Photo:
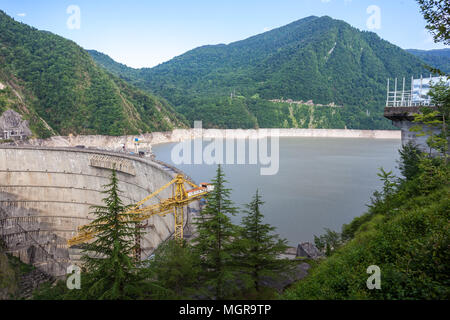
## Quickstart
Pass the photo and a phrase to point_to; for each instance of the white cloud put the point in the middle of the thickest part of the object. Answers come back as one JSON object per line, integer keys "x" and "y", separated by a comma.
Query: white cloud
{"x": 266, "y": 29}
{"x": 22, "y": 14}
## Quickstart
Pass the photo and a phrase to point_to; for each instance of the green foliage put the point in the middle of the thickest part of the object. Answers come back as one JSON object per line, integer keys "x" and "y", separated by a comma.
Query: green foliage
{"x": 257, "y": 249}
{"x": 22, "y": 268}
{"x": 349, "y": 230}
{"x": 328, "y": 242}
{"x": 11, "y": 272}
{"x": 318, "y": 59}
{"x": 439, "y": 58}
{"x": 224, "y": 262}
{"x": 111, "y": 272}
{"x": 440, "y": 95}
{"x": 409, "y": 160}
{"x": 176, "y": 268}
{"x": 49, "y": 291}
{"x": 436, "y": 14}
{"x": 427, "y": 121}
{"x": 433, "y": 123}
{"x": 214, "y": 243}
{"x": 220, "y": 112}
{"x": 9, "y": 279}
{"x": 118, "y": 69}
{"x": 388, "y": 182}
{"x": 433, "y": 174}
{"x": 63, "y": 85}
{"x": 406, "y": 234}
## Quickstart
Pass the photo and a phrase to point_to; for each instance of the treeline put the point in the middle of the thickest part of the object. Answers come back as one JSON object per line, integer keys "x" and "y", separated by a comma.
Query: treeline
{"x": 318, "y": 59}
{"x": 439, "y": 58}
{"x": 405, "y": 233}
{"x": 255, "y": 112}
{"x": 224, "y": 261}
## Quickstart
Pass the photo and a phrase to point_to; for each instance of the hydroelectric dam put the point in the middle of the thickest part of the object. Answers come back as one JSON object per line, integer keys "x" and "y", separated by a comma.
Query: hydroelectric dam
{"x": 47, "y": 193}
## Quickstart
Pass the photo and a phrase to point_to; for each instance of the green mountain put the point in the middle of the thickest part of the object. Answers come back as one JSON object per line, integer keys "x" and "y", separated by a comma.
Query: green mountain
{"x": 116, "y": 68}
{"x": 57, "y": 86}
{"x": 435, "y": 58}
{"x": 316, "y": 58}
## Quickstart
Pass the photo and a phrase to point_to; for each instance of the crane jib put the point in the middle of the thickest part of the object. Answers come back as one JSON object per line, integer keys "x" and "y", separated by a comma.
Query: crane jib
{"x": 181, "y": 198}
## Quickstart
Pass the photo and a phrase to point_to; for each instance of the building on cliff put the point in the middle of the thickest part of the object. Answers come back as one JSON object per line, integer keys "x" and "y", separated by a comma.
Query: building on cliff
{"x": 402, "y": 106}
{"x": 12, "y": 126}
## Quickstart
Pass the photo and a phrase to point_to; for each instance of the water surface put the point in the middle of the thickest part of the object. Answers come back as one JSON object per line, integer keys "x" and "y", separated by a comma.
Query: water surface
{"x": 321, "y": 183}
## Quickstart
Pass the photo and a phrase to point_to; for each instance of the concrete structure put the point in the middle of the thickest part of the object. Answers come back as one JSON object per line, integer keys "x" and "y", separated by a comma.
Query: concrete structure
{"x": 402, "y": 106}
{"x": 308, "y": 250}
{"x": 402, "y": 117}
{"x": 12, "y": 126}
{"x": 146, "y": 141}
{"x": 46, "y": 194}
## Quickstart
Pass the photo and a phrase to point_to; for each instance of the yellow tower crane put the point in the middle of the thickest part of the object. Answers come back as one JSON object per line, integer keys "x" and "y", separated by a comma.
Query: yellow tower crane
{"x": 180, "y": 198}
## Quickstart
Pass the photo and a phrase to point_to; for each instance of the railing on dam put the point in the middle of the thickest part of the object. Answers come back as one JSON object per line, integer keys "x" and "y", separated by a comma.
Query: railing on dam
{"x": 417, "y": 94}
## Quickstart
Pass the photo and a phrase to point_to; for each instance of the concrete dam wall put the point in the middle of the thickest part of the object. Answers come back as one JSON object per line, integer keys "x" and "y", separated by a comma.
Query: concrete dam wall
{"x": 46, "y": 194}
{"x": 146, "y": 141}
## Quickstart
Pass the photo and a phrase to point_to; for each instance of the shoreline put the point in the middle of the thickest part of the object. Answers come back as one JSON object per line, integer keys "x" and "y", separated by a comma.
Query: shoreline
{"x": 147, "y": 140}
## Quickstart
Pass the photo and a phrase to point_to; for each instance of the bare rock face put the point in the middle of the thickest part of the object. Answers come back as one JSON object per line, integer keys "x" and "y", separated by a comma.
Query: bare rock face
{"x": 12, "y": 125}
{"x": 308, "y": 250}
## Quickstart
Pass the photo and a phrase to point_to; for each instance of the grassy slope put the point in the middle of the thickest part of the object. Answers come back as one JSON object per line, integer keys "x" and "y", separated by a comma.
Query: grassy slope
{"x": 407, "y": 237}
{"x": 8, "y": 279}
{"x": 11, "y": 270}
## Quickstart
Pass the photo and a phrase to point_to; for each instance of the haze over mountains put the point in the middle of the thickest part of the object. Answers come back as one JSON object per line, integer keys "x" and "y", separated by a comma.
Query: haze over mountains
{"x": 57, "y": 86}
{"x": 439, "y": 58}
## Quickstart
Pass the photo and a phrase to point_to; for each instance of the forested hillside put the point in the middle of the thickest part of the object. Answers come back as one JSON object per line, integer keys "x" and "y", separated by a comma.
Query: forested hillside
{"x": 435, "y": 58}
{"x": 319, "y": 59}
{"x": 53, "y": 80}
{"x": 405, "y": 233}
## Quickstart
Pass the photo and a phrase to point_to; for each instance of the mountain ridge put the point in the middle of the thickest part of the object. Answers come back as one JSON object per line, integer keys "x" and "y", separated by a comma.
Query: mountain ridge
{"x": 436, "y": 58}
{"x": 315, "y": 58}
{"x": 57, "y": 86}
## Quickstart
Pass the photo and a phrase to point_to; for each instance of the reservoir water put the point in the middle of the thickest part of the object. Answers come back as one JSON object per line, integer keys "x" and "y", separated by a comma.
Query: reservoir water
{"x": 321, "y": 182}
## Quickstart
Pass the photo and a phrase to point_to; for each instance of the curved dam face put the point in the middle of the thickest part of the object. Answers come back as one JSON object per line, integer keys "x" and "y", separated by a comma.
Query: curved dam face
{"x": 46, "y": 194}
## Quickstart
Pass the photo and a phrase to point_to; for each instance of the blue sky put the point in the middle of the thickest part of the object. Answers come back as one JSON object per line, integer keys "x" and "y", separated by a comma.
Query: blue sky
{"x": 144, "y": 33}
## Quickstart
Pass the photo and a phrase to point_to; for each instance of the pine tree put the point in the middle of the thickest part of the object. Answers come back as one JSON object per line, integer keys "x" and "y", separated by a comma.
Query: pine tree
{"x": 112, "y": 273}
{"x": 214, "y": 243}
{"x": 175, "y": 268}
{"x": 258, "y": 248}
{"x": 329, "y": 242}
{"x": 389, "y": 185}
{"x": 409, "y": 160}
